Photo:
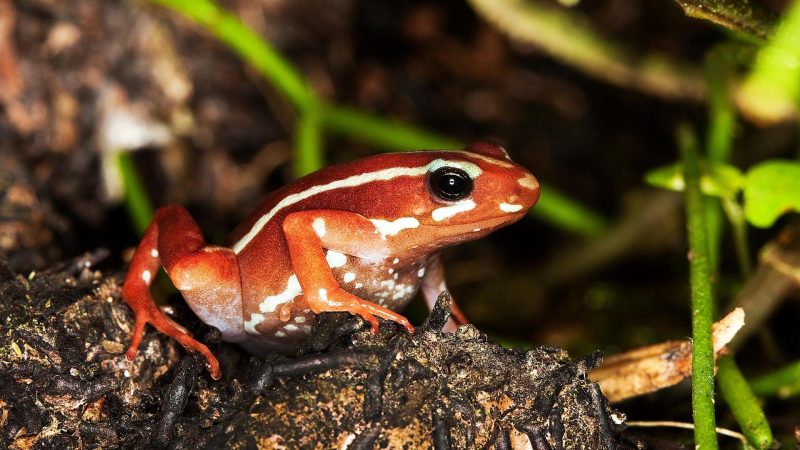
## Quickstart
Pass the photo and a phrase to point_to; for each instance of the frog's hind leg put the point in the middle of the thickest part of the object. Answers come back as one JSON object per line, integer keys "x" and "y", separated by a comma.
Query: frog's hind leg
{"x": 207, "y": 276}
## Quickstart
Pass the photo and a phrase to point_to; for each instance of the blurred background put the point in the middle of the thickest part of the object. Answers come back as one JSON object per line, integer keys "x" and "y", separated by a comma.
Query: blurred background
{"x": 112, "y": 108}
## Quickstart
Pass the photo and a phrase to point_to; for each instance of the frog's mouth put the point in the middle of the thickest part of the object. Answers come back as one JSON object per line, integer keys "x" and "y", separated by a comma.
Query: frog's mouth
{"x": 483, "y": 227}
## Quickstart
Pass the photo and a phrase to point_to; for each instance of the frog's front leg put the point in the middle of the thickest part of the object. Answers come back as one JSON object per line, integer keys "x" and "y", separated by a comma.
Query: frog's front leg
{"x": 433, "y": 284}
{"x": 308, "y": 233}
{"x": 207, "y": 276}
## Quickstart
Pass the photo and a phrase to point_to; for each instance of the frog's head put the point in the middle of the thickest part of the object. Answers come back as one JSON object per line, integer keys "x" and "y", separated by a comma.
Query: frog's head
{"x": 475, "y": 190}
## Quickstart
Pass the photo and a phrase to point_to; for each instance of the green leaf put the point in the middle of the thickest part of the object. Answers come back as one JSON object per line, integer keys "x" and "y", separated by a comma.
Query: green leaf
{"x": 722, "y": 180}
{"x": 771, "y": 189}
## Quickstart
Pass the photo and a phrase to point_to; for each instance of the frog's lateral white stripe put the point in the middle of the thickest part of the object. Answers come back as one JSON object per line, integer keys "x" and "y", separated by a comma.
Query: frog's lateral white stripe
{"x": 352, "y": 181}
{"x": 358, "y": 180}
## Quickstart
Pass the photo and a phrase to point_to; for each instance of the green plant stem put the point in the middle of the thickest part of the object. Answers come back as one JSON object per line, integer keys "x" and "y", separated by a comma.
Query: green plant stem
{"x": 135, "y": 197}
{"x": 702, "y": 299}
{"x": 383, "y": 133}
{"x": 784, "y": 382}
{"x": 308, "y": 142}
{"x": 735, "y": 214}
{"x": 250, "y": 46}
{"x": 743, "y": 403}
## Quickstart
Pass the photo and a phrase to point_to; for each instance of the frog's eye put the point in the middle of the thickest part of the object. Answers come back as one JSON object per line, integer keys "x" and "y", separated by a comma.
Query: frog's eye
{"x": 450, "y": 183}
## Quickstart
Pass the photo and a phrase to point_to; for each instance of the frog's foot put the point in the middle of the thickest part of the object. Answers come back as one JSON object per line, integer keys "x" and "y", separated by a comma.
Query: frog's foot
{"x": 339, "y": 300}
{"x": 148, "y": 312}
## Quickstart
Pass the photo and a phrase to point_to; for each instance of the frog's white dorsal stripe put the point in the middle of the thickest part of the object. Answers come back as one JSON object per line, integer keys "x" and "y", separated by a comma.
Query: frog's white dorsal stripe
{"x": 352, "y": 181}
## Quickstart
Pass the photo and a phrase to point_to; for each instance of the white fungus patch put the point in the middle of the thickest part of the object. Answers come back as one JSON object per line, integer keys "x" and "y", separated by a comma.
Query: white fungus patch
{"x": 319, "y": 226}
{"x": 445, "y": 212}
{"x": 335, "y": 259}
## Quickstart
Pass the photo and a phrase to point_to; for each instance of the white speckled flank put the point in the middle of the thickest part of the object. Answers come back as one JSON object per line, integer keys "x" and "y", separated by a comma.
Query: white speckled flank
{"x": 271, "y": 302}
{"x": 348, "y": 277}
{"x": 510, "y": 207}
{"x": 319, "y": 226}
{"x": 445, "y": 212}
{"x": 528, "y": 182}
{"x": 386, "y": 228}
{"x": 335, "y": 259}
{"x": 147, "y": 276}
{"x": 352, "y": 181}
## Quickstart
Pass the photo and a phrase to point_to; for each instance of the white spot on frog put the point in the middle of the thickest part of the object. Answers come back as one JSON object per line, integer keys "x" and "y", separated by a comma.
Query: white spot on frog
{"x": 510, "y": 207}
{"x": 386, "y": 228}
{"x": 359, "y": 285}
{"x": 271, "y": 302}
{"x": 147, "y": 276}
{"x": 335, "y": 259}
{"x": 529, "y": 182}
{"x": 475, "y": 230}
{"x": 280, "y": 333}
{"x": 349, "y": 277}
{"x": 319, "y": 226}
{"x": 255, "y": 319}
{"x": 154, "y": 253}
{"x": 445, "y": 212}
{"x": 396, "y": 260}
{"x": 290, "y": 327}
{"x": 300, "y": 319}
{"x": 421, "y": 272}
{"x": 391, "y": 271}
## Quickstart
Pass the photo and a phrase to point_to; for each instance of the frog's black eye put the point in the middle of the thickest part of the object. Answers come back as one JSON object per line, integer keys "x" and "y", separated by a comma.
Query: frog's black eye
{"x": 450, "y": 183}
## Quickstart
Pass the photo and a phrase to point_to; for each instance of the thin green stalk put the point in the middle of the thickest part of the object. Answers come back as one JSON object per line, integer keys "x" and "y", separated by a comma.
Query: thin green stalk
{"x": 743, "y": 403}
{"x": 308, "y": 142}
{"x": 250, "y": 46}
{"x": 135, "y": 197}
{"x": 702, "y": 299}
{"x": 384, "y": 133}
{"x": 784, "y": 382}
{"x": 735, "y": 214}
{"x": 567, "y": 214}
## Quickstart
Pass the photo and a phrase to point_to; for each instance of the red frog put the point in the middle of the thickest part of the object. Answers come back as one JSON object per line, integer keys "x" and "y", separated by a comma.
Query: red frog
{"x": 361, "y": 237}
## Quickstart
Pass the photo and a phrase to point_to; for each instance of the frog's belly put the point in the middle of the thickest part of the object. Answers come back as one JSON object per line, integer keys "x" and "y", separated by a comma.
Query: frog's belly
{"x": 385, "y": 283}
